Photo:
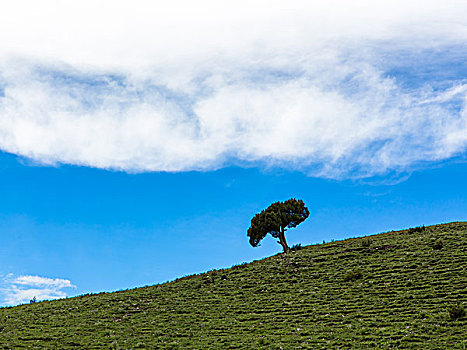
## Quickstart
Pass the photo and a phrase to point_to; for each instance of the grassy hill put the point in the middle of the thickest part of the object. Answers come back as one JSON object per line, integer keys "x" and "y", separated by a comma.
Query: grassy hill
{"x": 391, "y": 290}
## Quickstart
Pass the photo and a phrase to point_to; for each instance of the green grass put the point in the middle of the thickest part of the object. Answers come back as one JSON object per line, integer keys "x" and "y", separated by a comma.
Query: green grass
{"x": 301, "y": 300}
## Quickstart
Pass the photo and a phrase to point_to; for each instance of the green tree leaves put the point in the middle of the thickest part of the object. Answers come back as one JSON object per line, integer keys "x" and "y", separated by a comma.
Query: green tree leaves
{"x": 276, "y": 219}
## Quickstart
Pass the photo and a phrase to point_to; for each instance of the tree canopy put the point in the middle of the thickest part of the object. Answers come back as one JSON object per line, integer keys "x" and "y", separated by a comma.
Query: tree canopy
{"x": 276, "y": 219}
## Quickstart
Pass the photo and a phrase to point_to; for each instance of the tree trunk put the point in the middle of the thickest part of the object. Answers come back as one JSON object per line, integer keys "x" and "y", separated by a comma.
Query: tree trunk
{"x": 282, "y": 241}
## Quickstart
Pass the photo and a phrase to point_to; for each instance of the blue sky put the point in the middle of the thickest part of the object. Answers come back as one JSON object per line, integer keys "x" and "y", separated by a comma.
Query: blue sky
{"x": 137, "y": 148}
{"x": 103, "y": 230}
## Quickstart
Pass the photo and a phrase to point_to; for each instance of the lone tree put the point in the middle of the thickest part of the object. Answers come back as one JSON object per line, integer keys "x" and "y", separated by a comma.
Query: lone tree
{"x": 276, "y": 219}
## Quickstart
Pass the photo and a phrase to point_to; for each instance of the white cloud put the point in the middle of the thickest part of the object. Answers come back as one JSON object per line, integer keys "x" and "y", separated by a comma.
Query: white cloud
{"x": 38, "y": 281}
{"x": 199, "y": 85}
{"x": 21, "y": 289}
{"x": 128, "y": 33}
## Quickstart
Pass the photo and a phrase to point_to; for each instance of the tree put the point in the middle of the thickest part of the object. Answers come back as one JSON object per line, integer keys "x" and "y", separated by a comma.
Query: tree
{"x": 276, "y": 219}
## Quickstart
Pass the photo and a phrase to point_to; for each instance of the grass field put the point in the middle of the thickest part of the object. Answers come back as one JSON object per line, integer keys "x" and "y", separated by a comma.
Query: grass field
{"x": 391, "y": 290}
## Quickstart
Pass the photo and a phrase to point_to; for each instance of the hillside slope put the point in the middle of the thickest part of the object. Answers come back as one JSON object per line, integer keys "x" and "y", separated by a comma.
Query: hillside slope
{"x": 303, "y": 300}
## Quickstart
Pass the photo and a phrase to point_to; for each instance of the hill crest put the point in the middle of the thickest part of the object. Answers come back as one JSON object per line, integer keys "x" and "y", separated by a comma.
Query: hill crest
{"x": 391, "y": 290}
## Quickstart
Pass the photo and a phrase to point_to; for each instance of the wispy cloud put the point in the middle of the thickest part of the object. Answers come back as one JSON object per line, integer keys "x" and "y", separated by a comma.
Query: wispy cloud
{"x": 21, "y": 289}
{"x": 317, "y": 88}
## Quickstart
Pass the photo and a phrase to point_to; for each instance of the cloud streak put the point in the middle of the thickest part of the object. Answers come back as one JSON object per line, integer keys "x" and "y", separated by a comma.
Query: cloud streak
{"x": 301, "y": 86}
{"x": 21, "y": 289}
